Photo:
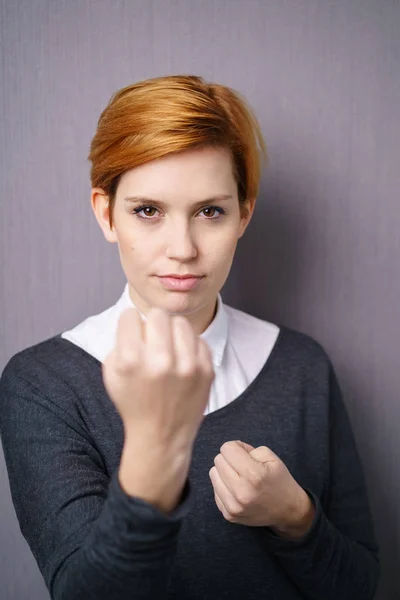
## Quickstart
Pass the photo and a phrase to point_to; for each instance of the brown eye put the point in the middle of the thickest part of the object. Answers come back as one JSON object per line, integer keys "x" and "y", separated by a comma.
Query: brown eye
{"x": 147, "y": 209}
{"x": 213, "y": 213}
{"x": 206, "y": 211}
{"x": 143, "y": 212}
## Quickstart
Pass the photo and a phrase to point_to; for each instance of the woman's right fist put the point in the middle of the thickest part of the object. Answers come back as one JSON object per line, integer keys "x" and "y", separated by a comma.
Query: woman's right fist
{"x": 159, "y": 377}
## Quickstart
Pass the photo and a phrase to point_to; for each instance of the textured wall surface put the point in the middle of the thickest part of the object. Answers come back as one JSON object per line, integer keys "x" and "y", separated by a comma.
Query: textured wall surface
{"x": 322, "y": 252}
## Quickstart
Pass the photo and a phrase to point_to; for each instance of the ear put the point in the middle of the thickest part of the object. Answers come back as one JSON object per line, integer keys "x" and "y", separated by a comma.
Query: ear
{"x": 246, "y": 212}
{"x": 100, "y": 206}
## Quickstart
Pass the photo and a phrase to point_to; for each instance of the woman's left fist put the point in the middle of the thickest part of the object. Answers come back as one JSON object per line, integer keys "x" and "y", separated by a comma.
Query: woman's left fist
{"x": 253, "y": 487}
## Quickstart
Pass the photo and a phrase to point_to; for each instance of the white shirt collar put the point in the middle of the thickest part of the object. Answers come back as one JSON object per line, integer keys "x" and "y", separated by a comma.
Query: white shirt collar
{"x": 216, "y": 334}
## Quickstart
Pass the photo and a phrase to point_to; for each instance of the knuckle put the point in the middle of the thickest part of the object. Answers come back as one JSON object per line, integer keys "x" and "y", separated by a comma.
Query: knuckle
{"x": 233, "y": 508}
{"x": 187, "y": 370}
{"x": 159, "y": 365}
{"x": 188, "y": 366}
{"x": 227, "y": 515}
{"x": 255, "y": 478}
{"x": 225, "y": 446}
{"x": 243, "y": 495}
{"x": 125, "y": 363}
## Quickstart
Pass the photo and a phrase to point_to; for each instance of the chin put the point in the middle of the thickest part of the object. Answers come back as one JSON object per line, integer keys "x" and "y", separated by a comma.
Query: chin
{"x": 184, "y": 303}
{"x": 180, "y": 303}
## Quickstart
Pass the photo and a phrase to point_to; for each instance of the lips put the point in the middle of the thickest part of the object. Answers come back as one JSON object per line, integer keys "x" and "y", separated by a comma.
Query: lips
{"x": 188, "y": 276}
{"x": 180, "y": 284}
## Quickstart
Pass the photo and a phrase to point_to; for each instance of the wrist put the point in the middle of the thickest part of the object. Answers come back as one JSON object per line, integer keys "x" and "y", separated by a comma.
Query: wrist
{"x": 300, "y": 521}
{"x": 153, "y": 473}
{"x": 158, "y": 441}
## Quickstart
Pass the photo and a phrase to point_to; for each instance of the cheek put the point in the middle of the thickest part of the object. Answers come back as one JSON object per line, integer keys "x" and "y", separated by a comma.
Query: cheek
{"x": 223, "y": 248}
{"x": 143, "y": 246}
{"x": 130, "y": 239}
{"x": 131, "y": 247}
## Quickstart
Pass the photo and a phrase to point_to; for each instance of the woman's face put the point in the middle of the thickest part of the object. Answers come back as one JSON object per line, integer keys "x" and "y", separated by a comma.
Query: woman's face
{"x": 191, "y": 225}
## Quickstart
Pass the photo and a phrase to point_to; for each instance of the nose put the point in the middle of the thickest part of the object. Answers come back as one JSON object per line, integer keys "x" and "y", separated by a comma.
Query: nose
{"x": 181, "y": 245}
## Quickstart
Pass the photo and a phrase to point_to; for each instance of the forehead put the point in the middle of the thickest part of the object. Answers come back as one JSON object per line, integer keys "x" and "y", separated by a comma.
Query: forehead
{"x": 191, "y": 174}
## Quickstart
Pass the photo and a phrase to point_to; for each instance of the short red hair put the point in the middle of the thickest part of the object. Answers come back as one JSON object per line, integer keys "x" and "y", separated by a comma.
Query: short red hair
{"x": 164, "y": 115}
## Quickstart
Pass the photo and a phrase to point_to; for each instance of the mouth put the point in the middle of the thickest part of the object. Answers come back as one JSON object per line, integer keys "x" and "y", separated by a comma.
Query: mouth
{"x": 180, "y": 283}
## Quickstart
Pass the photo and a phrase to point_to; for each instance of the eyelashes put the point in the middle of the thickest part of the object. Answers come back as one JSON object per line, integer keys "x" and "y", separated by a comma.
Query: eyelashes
{"x": 138, "y": 211}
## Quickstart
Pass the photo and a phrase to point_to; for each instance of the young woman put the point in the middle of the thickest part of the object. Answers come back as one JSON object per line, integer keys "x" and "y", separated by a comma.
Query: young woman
{"x": 173, "y": 447}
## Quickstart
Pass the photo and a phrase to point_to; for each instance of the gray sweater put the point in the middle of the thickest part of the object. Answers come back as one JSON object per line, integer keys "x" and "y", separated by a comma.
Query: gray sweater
{"x": 62, "y": 439}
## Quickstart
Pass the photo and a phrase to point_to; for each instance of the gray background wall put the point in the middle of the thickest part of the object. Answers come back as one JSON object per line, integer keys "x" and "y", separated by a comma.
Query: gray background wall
{"x": 322, "y": 252}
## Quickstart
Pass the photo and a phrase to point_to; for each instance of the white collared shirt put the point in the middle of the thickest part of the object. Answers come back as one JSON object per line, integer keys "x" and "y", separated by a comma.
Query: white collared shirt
{"x": 240, "y": 345}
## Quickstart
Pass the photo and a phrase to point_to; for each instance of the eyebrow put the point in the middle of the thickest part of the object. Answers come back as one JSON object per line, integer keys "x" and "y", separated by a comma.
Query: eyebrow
{"x": 134, "y": 199}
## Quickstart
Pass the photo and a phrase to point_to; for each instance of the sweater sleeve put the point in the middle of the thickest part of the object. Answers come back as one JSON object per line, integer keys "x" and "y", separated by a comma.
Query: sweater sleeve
{"x": 90, "y": 539}
{"x": 338, "y": 557}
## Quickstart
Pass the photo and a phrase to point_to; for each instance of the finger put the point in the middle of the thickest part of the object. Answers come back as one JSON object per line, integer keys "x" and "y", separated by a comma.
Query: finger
{"x": 244, "y": 445}
{"x": 230, "y": 503}
{"x": 228, "y": 475}
{"x": 221, "y": 506}
{"x": 239, "y": 459}
{"x": 264, "y": 455}
{"x": 185, "y": 344}
{"x": 204, "y": 355}
{"x": 129, "y": 336}
{"x": 159, "y": 337}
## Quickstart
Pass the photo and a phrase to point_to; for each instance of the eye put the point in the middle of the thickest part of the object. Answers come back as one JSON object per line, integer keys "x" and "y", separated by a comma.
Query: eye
{"x": 144, "y": 212}
{"x": 144, "y": 207}
{"x": 214, "y": 209}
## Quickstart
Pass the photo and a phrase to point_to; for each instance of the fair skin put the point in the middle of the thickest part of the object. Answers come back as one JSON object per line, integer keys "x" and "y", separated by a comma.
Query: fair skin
{"x": 177, "y": 237}
{"x": 164, "y": 360}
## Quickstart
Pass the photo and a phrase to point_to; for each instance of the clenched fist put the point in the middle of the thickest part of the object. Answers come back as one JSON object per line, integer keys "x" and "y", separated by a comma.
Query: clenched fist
{"x": 159, "y": 377}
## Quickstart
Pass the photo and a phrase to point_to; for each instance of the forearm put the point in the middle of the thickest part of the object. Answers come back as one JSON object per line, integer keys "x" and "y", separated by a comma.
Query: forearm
{"x": 130, "y": 550}
{"x": 128, "y": 554}
{"x": 91, "y": 540}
